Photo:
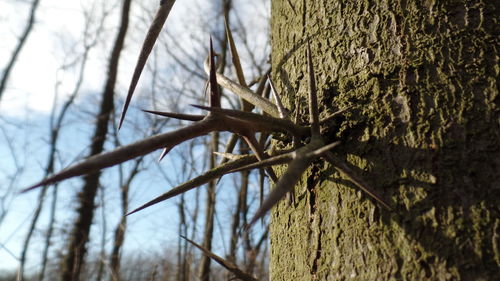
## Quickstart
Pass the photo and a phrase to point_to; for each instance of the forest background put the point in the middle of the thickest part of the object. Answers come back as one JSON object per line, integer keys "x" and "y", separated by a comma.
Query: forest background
{"x": 55, "y": 57}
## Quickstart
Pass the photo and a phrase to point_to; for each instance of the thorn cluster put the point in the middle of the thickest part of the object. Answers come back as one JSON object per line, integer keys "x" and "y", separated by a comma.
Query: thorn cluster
{"x": 244, "y": 124}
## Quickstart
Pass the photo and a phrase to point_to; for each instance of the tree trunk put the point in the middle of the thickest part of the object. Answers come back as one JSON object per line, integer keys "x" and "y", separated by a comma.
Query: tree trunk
{"x": 119, "y": 235}
{"x": 204, "y": 267}
{"x": 74, "y": 259}
{"x": 422, "y": 77}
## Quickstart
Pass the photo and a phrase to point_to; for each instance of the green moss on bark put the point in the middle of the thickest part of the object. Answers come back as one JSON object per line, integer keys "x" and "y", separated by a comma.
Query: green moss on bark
{"x": 424, "y": 132}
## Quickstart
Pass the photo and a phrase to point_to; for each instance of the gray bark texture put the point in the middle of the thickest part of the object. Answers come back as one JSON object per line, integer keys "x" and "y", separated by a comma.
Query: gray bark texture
{"x": 423, "y": 131}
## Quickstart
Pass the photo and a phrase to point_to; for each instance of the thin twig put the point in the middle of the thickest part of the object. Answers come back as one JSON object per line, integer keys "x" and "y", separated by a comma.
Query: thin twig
{"x": 245, "y": 93}
{"x": 125, "y": 153}
{"x": 264, "y": 122}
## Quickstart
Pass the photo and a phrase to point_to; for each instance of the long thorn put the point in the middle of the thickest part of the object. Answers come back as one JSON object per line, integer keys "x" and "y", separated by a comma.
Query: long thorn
{"x": 240, "y": 274}
{"x": 282, "y": 110}
{"x": 335, "y": 114}
{"x": 360, "y": 183}
{"x": 261, "y": 186}
{"x": 245, "y": 106}
{"x": 164, "y": 153}
{"x": 287, "y": 157}
{"x": 181, "y": 116}
{"x": 296, "y": 119}
{"x": 260, "y": 121}
{"x": 228, "y": 156}
{"x": 200, "y": 180}
{"x": 313, "y": 97}
{"x": 302, "y": 159}
{"x": 275, "y": 160}
{"x": 153, "y": 32}
{"x": 322, "y": 150}
{"x": 285, "y": 184}
{"x": 234, "y": 55}
{"x": 214, "y": 100}
{"x": 245, "y": 93}
{"x": 125, "y": 153}
{"x": 254, "y": 145}
{"x": 229, "y": 147}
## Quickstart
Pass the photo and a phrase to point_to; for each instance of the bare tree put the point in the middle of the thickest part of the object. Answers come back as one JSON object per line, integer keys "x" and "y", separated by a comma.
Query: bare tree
{"x": 20, "y": 44}
{"x": 79, "y": 236}
{"x": 120, "y": 230}
{"x": 89, "y": 39}
{"x": 19, "y": 167}
{"x": 204, "y": 267}
{"x": 74, "y": 260}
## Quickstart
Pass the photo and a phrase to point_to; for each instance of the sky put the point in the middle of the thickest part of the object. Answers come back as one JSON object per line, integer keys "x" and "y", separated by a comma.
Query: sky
{"x": 32, "y": 82}
{"x": 39, "y": 78}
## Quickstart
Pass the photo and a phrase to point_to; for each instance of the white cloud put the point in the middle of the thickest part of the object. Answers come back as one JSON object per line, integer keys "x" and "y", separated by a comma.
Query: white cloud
{"x": 31, "y": 85}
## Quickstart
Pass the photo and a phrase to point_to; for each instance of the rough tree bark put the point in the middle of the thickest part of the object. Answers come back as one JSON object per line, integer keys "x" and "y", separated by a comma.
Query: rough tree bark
{"x": 74, "y": 259}
{"x": 422, "y": 77}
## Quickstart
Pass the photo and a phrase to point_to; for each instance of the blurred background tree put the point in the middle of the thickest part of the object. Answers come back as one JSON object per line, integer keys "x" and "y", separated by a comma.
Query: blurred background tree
{"x": 92, "y": 47}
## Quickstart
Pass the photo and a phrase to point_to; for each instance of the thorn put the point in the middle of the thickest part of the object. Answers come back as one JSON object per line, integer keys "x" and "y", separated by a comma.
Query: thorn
{"x": 245, "y": 106}
{"x": 296, "y": 140}
{"x": 282, "y": 110}
{"x": 360, "y": 183}
{"x": 164, "y": 153}
{"x": 228, "y": 156}
{"x": 128, "y": 152}
{"x": 271, "y": 161}
{"x": 214, "y": 100}
{"x": 258, "y": 121}
{"x": 234, "y": 54}
{"x": 296, "y": 118}
{"x": 261, "y": 186}
{"x": 180, "y": 116}
{"x": 320, "y": 151}
{"x": 148, "y": 44}
{"x": 313, "y": 98}
{"x": 335, "y": 114}
{"x": 245, "y": 93}
{"x": 30, "y": 188}
{"x": 229, "y": 147}
{"x": 253, "y": 144}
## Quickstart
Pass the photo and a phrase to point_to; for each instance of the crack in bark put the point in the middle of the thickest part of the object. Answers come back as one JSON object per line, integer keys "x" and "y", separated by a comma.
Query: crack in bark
{"x": 312, "y": 180}
{"x": 314, "y": 268}
{"x": 304, "y": 16}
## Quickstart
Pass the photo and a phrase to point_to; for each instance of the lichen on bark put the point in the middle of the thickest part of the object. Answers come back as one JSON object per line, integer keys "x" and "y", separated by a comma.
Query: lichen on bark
{"x": 422, "y": 78}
